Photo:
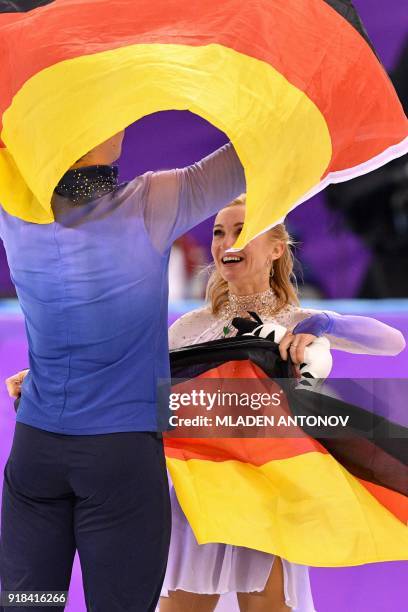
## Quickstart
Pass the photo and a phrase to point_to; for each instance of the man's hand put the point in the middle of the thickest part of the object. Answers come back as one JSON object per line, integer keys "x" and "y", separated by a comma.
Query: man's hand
{"x": 13, "y": 383}
{"x": 296, "y": 343}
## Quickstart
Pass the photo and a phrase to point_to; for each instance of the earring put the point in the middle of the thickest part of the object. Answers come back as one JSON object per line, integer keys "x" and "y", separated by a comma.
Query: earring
{"x": 272, "y": 272}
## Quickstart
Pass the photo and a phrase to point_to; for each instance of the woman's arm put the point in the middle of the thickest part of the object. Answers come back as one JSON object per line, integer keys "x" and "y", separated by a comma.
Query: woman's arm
{"x": 177, "y": 200}
{"x": 177, "y": 334}
{"x": 190, "y": 327}
{"x": 352, "y": 333}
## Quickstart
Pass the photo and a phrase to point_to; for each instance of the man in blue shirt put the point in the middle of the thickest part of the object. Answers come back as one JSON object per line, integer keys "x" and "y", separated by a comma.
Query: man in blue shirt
{"x": 87, "y": 470}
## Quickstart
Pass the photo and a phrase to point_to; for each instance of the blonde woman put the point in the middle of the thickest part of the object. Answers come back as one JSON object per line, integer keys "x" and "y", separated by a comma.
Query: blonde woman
{"x": 259, "y": 278}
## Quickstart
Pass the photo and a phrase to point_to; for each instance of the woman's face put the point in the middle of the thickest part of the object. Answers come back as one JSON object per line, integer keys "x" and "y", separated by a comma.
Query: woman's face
{"x": 252, "y": 265}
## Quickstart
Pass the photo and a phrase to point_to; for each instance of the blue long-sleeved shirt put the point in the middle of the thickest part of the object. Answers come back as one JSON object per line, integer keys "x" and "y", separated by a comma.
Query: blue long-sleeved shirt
{"x": 93, "y": 288}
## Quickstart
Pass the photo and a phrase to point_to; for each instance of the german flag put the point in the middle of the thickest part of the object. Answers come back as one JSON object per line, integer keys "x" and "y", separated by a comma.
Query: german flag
{"x": 310, "y": 497}
{"x": 295, "y": 85}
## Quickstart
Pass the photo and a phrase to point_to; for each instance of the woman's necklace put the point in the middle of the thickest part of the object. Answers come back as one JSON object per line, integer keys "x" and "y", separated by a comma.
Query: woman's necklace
{"x": 262, "y": 303}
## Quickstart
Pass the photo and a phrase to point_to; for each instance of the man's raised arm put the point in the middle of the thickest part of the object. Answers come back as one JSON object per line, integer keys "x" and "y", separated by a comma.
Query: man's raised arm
{"x": 179, "y": 199}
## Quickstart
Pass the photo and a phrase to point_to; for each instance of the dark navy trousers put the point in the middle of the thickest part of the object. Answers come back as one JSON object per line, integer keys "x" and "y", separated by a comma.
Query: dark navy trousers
{"x": 106, "y": 496}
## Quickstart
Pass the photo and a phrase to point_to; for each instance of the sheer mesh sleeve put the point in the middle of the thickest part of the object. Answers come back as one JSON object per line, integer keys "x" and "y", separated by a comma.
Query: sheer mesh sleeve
{"x": 190, "y": 327}
{"x": 357, "y": 334}
{"x": 177, "y": 200}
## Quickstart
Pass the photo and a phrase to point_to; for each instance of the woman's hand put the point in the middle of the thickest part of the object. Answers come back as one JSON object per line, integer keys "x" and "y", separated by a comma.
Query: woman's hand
{"x": 296, "y": 344}
{"x": 13, "y": 383}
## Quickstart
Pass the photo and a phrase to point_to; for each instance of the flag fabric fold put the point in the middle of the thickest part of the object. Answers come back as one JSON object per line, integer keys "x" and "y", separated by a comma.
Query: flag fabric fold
{"x": 296, "y": 86}
{"x": 311, "y": 497}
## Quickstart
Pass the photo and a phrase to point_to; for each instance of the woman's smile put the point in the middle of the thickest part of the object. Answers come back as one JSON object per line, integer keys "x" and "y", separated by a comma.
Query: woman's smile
{"x": 232, "y": 259}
